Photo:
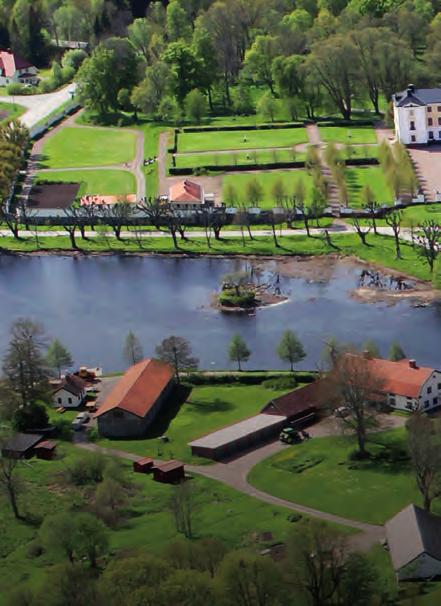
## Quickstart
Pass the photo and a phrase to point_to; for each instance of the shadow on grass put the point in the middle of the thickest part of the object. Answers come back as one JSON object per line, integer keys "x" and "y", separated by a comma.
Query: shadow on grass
{"x": 391, "y": 457}
{"x": 207, "y": 407}
{"x": 172, "y": 407}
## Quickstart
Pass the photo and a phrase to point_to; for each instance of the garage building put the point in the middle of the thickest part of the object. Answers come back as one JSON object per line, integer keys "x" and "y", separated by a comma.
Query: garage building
{"x": 234, "y": 438}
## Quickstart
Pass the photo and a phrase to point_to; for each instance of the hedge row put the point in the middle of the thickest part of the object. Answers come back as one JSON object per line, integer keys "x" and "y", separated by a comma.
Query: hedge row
{"x": 174, "y": 149}
{"x": 185, "y": 170}
{"x": 341, "y": 122}
{"x": 247, "y": 378}
{"x": 271, "y": 126}
{"x": 361, "y": 161}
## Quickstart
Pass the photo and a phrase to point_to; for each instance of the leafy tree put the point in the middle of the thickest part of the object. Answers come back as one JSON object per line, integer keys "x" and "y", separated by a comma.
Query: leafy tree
{"x": 156, "y": 86}
{"x": 396, "y": 353}
{"x": 10, "y": 478}
{"x": 259, "y": 58}
{"x": 69, "y": 585}
{"x": 182, "y": 505}
{"x": 58, "y": 356}
{"x": 133, "y": 351}
{"x": 242, "y": 100}
{"x": 393, "y": 219}
{"x": 140, "y": 34}
{"x": 254, "y": 192}
{"x": 290, "y": 349}
{"x": 74, "y": 58}
{"x": 188, "y": 588}
{"x": 371, "y": 348}
{"x": 176, "y": 351}
{"x": 428, "y": 241}
{"x": 178, "y": 23}
{"x": 238, "y": 351}
{"x": 267, "y": 107}
{"x": 195, "y": 106}
{"x": 185, "y": 68}
{"x": 58, "y": 534}
{"x": 168, "y": 110}
{"x": 31, "y": 417}
{"x": 92, "y": 537}
{"x": 97, "y": 87}
{"x": 424, "y": 441}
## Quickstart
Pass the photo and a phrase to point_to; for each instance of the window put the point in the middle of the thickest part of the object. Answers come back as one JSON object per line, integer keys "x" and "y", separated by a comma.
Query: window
{"x": 431, "y": 134}
{"x": 426, "y": 403}
{"x": 439, "y": 108}
{"x": 429, "y": 109}
{"x": 439, "y": 121}
{"x": 412, "y": 138}
{"x": 409, "y": 405}
{"x": 412, "y": 125}
{"x": 69, "y": 400}
{"x": 429, "y": 390}
{"x": 392, "y": 400}
{"x": 430, "y": 122}
{"x": 60, "y": 401}
{"x": 435, "y": 401}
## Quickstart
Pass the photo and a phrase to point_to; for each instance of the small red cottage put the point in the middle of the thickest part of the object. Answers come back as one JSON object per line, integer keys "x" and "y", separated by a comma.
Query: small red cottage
{"x": 46, "y": 450}
{"x": 143, "y": 465}
{"x": 169, "y": 472}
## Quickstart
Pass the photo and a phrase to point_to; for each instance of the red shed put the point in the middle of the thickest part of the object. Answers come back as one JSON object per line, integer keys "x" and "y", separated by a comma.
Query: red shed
{"x": 169, "y": 472}
{"x": 45, "y": 450}
{"x": 143, "y": 465}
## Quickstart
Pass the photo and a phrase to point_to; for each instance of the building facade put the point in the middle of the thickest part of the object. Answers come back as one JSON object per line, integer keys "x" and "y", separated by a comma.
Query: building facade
{"x": 70, "y": 393}
{"x": 15, "y": 69}
{"x": 417, "y": 115}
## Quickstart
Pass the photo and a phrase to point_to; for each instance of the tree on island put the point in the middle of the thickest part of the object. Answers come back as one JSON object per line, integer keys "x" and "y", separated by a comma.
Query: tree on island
{"x": 58, "y": 356}
{"x": 238, "y": 351}
{"x": 396, "y": 352}
{"x": 290, "y": 349}
{"x": 176, "y": 351}
{"x": 133, "y": 352}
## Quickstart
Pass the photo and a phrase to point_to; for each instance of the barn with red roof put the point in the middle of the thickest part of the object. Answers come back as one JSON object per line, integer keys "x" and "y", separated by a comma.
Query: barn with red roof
{"x": 14, "y": 68}
{"x": 136, "y": 399}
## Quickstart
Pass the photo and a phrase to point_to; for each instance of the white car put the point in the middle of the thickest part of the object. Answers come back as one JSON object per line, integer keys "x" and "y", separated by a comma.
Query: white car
{"x": 80, "y": 419}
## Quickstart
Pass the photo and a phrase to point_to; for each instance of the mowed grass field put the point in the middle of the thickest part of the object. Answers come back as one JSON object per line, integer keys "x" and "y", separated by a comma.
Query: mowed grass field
{"x": 241, "y": 139}
{"x": 104, "y": 182}
{"x": 207, "y": 409}
{"x": 348, "y": 134}
{"x": 10, "y": 111}
{"x": 77, "y": 147}
{"x": 267, "y": 180}
{"x": 357, "y": 178}
{"x": 320, "y": 474}
{"x": 241, "y": 157}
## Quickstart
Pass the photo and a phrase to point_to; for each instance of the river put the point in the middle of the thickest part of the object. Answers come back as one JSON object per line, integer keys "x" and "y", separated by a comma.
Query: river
{"x": 91, "y": 303}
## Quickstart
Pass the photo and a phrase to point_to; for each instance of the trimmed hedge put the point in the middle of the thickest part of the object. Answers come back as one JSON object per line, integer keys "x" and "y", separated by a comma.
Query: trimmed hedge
{"x": 174, "y": 149}
{"x": 341, "y": 122}
{"x": 361, "y": 161}
{"x": 271, "y": 126}
{"x": 186, "y": 170}
{"x": 248, "y": 377}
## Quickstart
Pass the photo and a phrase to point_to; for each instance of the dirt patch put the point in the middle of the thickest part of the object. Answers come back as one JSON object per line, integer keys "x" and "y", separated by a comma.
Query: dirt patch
{"x": 53, "y": 195}
{"x": 420, "y": 296}
{"x": 312, "y": 269}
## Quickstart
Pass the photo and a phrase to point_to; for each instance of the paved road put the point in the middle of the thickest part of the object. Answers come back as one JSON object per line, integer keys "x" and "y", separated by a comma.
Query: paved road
{"x": 40, "y": 106}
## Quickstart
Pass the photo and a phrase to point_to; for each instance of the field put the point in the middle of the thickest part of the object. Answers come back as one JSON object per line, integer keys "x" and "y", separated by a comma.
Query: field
{"x": 104, "y": 182}
{"x": 10, "y": 111}
{"x": 207, "y": 409}
{"x": 260, "y": 157}
{"x": 246, "y": 139}
{"x": 219, "y": 511}
{"x": 348, "y": 134}
{"x": 319, "y": 474}
{"x": 357, "y": 178}
{"x": 77, "y": 147}
{"x": 267, "y": 180}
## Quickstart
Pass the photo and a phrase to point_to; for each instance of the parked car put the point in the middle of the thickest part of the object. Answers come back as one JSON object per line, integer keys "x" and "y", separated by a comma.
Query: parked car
{"x": 80, "y": 420}
{"x": 342, "y": 412}
{"x": 290, "y": 436}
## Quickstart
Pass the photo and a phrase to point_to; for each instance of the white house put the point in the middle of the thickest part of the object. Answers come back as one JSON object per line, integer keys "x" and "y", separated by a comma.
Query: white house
{"x": 405, "y": 385}
{"x": 417, "y": 115}
{"x": 14, "y": 68}
{"x": 70, "y": 392}
{"x": 414, "y": 540}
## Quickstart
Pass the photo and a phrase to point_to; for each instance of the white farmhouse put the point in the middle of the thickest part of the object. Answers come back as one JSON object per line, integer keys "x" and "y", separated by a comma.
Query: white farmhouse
{"x": 414, "y": 540}
{"x": 70, "y": 392}
{"x": 405, "y": 385}
{"x": 417, "y": 115}
{"x": 15, "y": 69}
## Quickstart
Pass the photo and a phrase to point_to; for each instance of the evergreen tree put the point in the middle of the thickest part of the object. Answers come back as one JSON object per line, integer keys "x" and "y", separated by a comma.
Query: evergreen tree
{"x": 58, "y": 356}
{"x": 396, "y": 353}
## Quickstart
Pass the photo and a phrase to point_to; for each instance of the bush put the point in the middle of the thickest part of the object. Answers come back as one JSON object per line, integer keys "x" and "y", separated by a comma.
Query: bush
{"x": 230, "y": 298}
{"x": 73, "y": 58}
{"x": 280, "y": 383}
{"x": 15, "y": 88}
{"x": 35, "y": 549}
{"x": 32, "y": 416}
{"x": 246, "y": 378}
{"x": 86, "y": 469}
{"x": 63, "y": 430}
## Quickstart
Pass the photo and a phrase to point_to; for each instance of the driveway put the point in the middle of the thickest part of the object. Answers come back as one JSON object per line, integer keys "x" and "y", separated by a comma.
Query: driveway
{"x": 427, "y": 161}
{"x": 40, "y": 106}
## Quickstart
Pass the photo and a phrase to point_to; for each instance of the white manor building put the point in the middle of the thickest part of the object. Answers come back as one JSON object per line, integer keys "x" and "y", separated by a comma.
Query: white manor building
{"x": 417, "y": 115}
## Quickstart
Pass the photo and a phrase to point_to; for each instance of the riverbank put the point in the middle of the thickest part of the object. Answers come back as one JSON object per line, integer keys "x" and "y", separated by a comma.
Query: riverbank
{"x": 380, "y": 250}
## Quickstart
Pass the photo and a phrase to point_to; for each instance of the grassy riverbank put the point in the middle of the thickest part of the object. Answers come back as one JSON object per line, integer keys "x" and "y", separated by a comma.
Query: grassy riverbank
{"x": 380, "y": 249}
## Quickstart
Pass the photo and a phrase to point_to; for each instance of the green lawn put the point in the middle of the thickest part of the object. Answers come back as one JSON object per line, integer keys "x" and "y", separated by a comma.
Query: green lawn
{"x": 357, "y": 178}
{"x": 267, "y": 180}
{"x": 77, "y": 147}
{"x": 348, "y": 134}
{"x": 13, "y": 111}
{"x": 415, "y": 215}
{"x": 262, "y": 157}
{"x": 104, "y": 182}
{"x": 380, "y": 249}
{"x": 208, "y": 409}
{"x": 241, "y": 139}
{"x": 371, "y": 491}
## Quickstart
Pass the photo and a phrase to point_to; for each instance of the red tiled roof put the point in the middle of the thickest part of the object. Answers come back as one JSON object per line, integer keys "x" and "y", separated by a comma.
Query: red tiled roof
{"x": 73, "y": 384}
{"x": 295, "y": 402}
{"x": 186, "y": 191}
{"x": 169, "y": 465}
{"x": 47, "y": 445}
{"x": 140, "y": 387}
{"x": 399, "y": 378}
{"x": 10, "y": 62}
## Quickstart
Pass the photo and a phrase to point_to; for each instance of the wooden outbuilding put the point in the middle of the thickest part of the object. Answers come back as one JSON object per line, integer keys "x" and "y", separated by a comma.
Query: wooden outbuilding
{"x": 46, "y": 450}
{"x": 169, "y": 472}
{"x": 21, "y": 446}
{"x": 143, "y": 465}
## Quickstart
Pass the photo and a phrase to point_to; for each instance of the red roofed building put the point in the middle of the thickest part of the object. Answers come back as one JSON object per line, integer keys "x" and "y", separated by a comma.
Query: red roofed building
{"x": 14, "y": 68}
{"x": 406, "y": 385}
{"x": 136, "y": 399}
{"x": 189, "y": 195}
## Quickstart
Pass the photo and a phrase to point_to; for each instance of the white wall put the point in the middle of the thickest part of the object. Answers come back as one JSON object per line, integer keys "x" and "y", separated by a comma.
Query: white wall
{"x": 403, "y": 116}
{"x": 67, "y": 400}
{"x": 429, "y": 397}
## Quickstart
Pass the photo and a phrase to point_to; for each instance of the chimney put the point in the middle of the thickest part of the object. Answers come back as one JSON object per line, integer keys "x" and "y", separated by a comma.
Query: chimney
{"x": 366, "y": 354}
{"x": 413, "y": 364}
{"x": 410, "y": 89}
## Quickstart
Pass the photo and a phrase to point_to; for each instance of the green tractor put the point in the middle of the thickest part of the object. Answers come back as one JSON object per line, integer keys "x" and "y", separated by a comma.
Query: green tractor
{"x": 289, "y": 435}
